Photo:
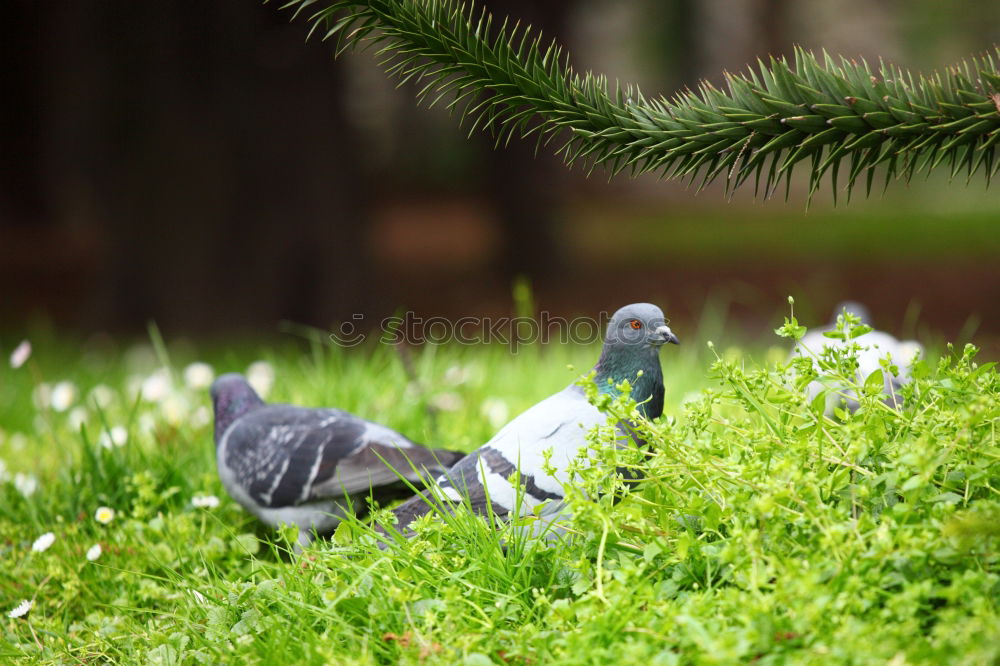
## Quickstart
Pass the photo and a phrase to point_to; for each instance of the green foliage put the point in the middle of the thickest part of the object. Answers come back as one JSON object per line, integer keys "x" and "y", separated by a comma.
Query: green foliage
{"x": 763, "y": 529}
{"x": 839, "y": 117}
{"x": 767, "y": 530}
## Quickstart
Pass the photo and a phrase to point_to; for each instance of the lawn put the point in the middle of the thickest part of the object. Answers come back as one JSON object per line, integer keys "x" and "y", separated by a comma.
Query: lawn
{"x": 763, "y": 532}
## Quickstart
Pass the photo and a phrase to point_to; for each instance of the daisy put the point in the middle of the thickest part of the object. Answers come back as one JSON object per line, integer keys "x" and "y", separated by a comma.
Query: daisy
{"x": 201, "y": 417}
{"x": 157, "y": 386}
{"x": 18, "y": 441}
{"x": 116, "y": 436}
{"x": 26, "y": 484}
{"x": 205, "y": 501}
{"x": 94, "y": 552}
{"x": 496, "y": 411}
{"x": 21, "y": 609}
{"x": 102, "y": 395}
{"x": 140, "y": 357}
{"x": 43, "y": 542}
{"x": 198, "y": 376}
{"x": 260, "y": 375}
{"x": 104, "y": 515}
{"x": 119, "y": 435}
{"x": 41, "y": 395}
{"x": 20, "y": 355}
{"x": 174, "y": 409}
{"x": 457, "y": 374}
{"x": 76, "y": 418}
{"x": 447, "y": 401}
{"x": 63, "y": 396}
{"x": 147, "y": 423}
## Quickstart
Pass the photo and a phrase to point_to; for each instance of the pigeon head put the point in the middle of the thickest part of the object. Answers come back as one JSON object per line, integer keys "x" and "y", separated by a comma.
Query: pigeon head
{"x": 232, "y": 397}
{"x": 631, "y": 346}
{"x": 638, "y": 327}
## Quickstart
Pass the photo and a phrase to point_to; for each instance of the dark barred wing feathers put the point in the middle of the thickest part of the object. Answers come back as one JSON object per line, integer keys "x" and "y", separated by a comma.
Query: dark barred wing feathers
{"x": 284, "y": 456}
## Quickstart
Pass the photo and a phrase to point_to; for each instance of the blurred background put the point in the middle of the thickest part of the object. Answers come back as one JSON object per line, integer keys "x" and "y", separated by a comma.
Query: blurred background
{"x": 200, "y": 165}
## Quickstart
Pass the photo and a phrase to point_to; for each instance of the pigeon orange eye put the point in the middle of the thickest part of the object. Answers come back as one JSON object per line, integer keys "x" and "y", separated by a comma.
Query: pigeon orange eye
{"x": 635, "y": 324}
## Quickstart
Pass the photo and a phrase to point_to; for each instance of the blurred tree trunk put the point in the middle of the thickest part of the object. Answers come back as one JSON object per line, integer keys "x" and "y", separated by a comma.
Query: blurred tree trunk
{"x": 676, "y": 27}
{"x": 772, "y": 24}
{"x": 21, "y": 197}
{"x": 207, "y": 145}
{"x": 523, "y": 188}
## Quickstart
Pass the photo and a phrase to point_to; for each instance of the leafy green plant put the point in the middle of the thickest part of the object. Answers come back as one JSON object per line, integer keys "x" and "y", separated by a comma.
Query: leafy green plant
{"x": 840, "y": 118}
{"x": 805, "y": 536}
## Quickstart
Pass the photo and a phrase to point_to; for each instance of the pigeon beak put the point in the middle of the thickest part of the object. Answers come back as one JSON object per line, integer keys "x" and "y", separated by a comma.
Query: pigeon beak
{"x": 664, "y": 334}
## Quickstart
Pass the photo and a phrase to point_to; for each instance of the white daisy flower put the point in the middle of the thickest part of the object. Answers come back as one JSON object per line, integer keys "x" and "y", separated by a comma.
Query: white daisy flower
{"x": 205, "y": 501}
{"x": 20, "y": 355}
{"x": 174, "y": 409}
{"x": 156, "y": 386}
{"x": 119, "y": 435}
{"x": 41, "y": 396}
{"x": 21, "y": 609}
{"x": 260, "y": 375}
{"x": 26, "y": 484}
{"x": 43, "y": 542}
{"x": 63, "y": 396}
{"x": 201, "y": 417}
{"x": 457, "y": 374}
{"x": 40, "y": 424}
{"x": 140, "y": 357}
{"x": 147, "y": 423}
{"x": 102, "y": 395}
{"x": 133, "y": 386}
{"x": 496, "y": 411}
{"x": 104, "y": 515}
{"x": 76, "y": 418}
{"x": 198, "y": 376}
{"x": 18, "y": 441}
{"x": 447, "y": 402}
{"x": 94, "y": 552}
{"x": 116, "y": 436}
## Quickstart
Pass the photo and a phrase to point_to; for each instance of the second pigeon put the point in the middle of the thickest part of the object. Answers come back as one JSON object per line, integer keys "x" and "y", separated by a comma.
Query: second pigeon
{"x": 299, "y": 465}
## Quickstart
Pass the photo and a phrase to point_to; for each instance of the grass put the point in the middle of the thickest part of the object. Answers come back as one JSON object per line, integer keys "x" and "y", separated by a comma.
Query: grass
{"x": 763, "y": 532}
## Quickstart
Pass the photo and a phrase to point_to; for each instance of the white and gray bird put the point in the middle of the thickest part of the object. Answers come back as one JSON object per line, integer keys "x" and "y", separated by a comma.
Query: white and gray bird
{"x": 299, "y": 465}
{"x": 874, "y": 346}
{"x": 559, "y": 424}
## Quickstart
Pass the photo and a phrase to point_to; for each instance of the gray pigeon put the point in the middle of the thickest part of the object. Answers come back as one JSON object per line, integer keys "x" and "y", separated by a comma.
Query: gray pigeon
{"x": 297, "y": 465}
{"x": 875, "y": 345}
{"x": 558, "y": 424}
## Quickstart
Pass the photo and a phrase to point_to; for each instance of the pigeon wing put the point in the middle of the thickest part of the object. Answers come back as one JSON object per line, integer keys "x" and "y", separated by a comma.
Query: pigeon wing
{"x": 464, "y": 483}
{"x": 558, "y": 424}
{"x": 378, "y": 461}
{"x": 284, "y": 456}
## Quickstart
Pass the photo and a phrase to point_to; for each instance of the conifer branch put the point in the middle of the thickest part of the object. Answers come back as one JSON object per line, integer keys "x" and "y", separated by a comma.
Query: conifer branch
{"x": 827, "y": 115}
